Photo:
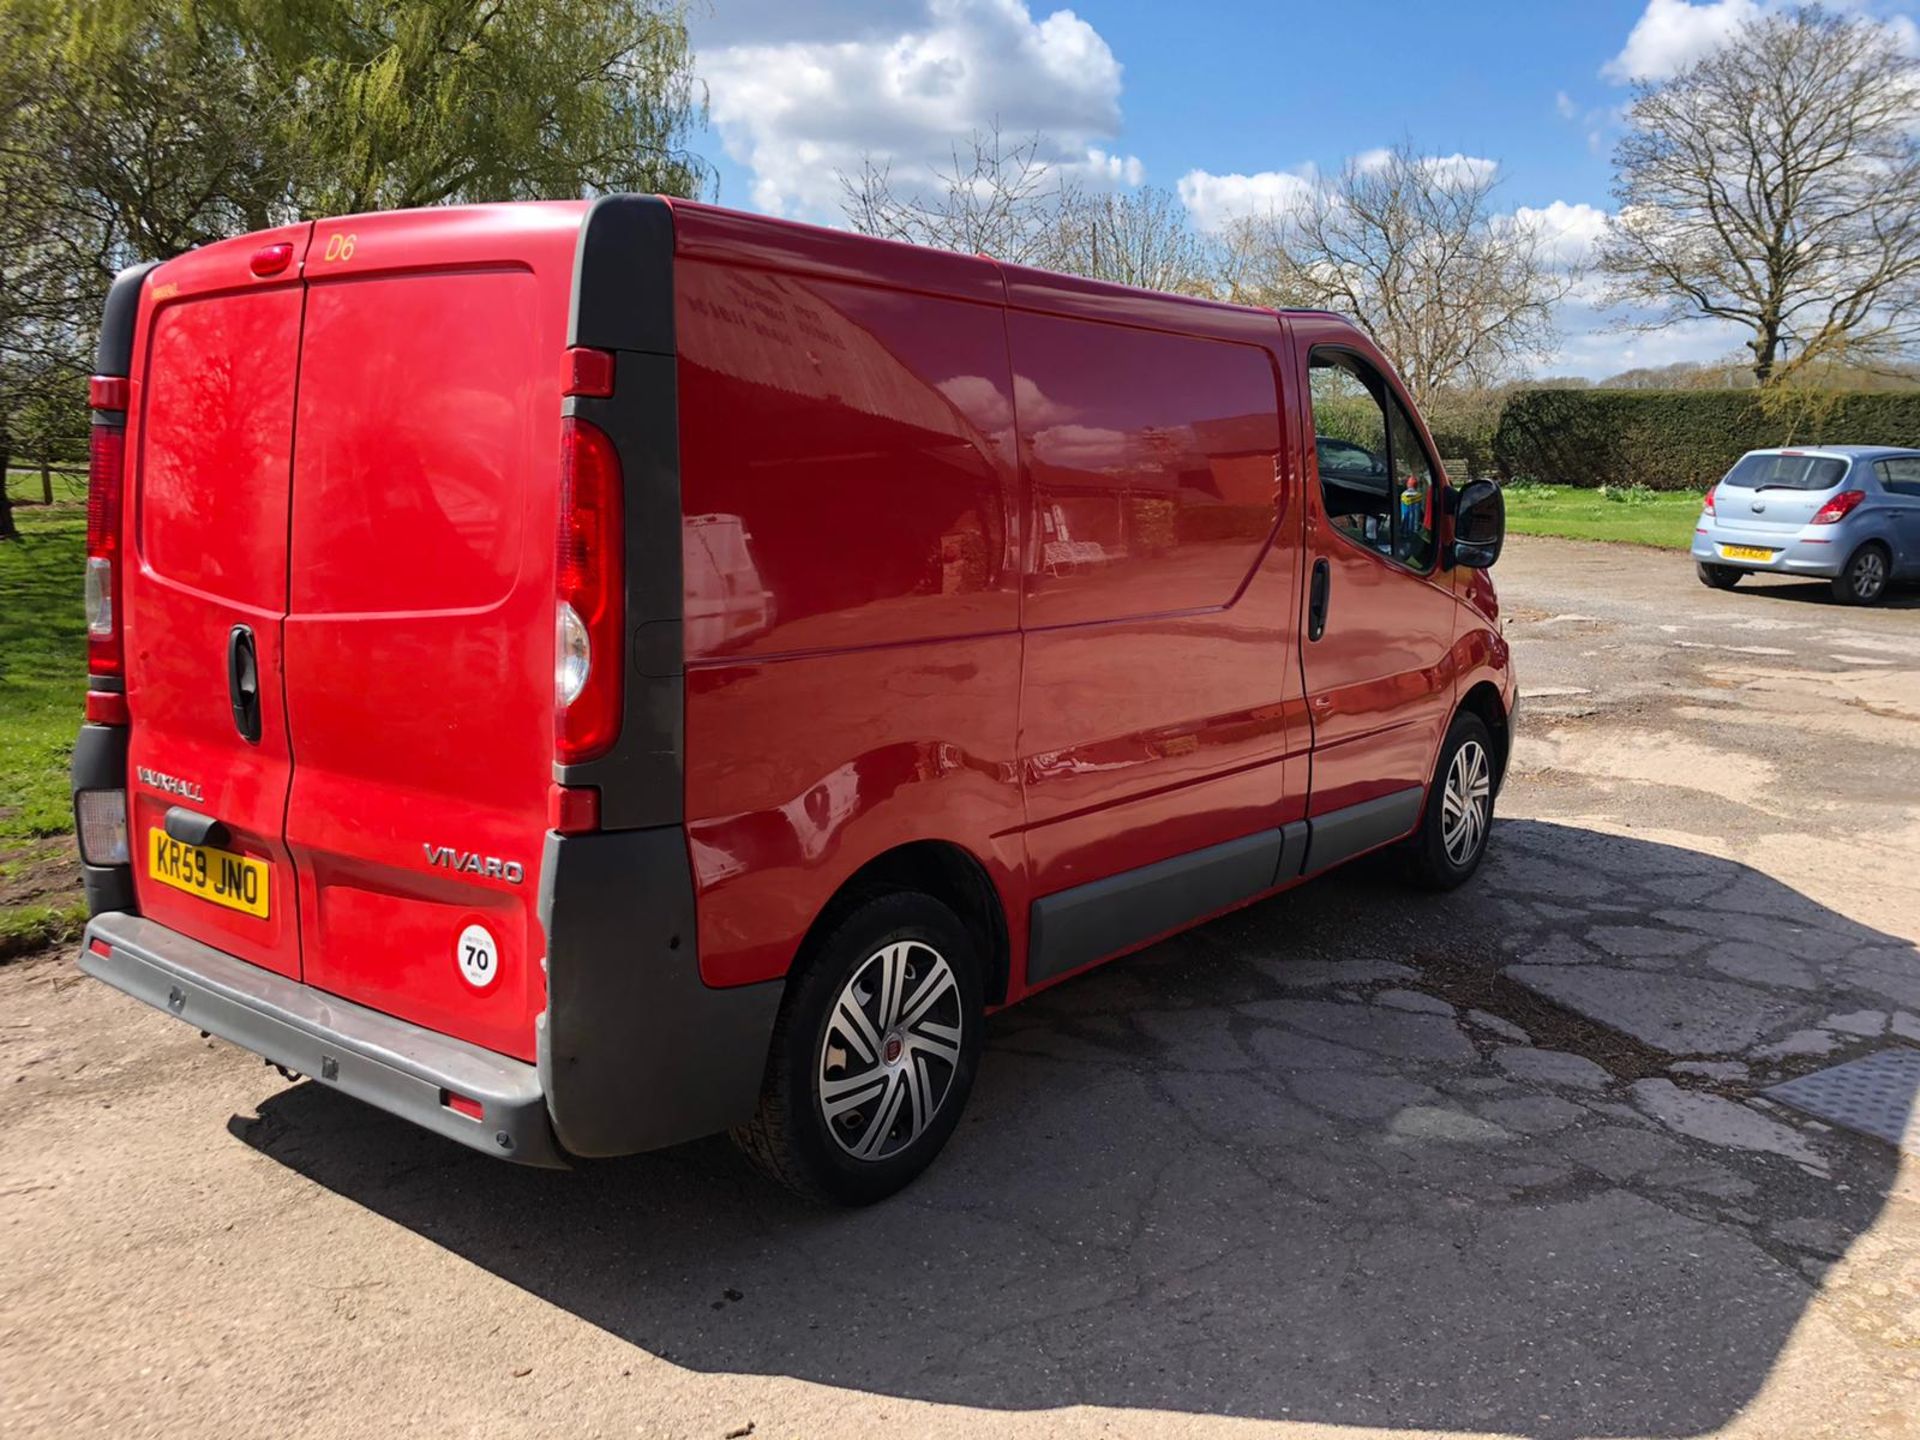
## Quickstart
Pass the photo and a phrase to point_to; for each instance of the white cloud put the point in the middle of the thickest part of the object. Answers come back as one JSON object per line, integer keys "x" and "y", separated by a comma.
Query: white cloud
{"x": 1596, "y": 348}
{"x": 1100, "y": 167}
{"x": 1567, "y": 233}
{"x": 1563, "y": 104}
{"x": 800, "y": 112}
{"x": 1459, "y": 169}
{"x": 1215, "y": 201}
{"x": 1671, "y": 34}
{"x": 1450, "y": 169}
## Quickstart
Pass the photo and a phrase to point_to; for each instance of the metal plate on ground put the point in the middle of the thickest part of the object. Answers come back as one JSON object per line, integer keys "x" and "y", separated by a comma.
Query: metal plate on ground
{"x": 1877, "y": 1095}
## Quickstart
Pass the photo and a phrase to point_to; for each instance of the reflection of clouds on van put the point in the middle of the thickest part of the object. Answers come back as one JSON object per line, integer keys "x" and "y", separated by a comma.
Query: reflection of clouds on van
{"x": 727, "y": 602}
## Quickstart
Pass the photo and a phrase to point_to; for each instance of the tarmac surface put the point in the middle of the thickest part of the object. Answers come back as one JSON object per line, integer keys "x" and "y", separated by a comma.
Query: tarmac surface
{"x": 1357, "y": 1160}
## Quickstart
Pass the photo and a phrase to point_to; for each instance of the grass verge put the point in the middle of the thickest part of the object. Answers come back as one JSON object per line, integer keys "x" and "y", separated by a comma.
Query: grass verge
{"x": 43, "y": 683}
{"x": 1663, "y": 518}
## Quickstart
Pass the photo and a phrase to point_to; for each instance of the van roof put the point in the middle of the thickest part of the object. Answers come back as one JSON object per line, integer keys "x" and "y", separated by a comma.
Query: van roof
{"x": 718, "y": 231}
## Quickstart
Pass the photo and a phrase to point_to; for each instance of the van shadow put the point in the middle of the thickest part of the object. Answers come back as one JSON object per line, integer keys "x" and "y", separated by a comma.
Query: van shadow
{"x": 1261, "y": 1170}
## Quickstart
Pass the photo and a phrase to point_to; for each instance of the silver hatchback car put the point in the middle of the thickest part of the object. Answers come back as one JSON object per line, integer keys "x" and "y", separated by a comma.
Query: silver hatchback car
{"x": 1847, "y": 514}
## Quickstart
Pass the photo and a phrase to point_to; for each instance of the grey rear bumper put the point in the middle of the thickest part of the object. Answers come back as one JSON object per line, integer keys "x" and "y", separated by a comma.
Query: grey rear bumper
{"x": 391, "y": 1064}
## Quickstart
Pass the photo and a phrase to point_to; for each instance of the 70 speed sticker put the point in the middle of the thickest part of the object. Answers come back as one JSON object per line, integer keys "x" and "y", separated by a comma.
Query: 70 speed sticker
{"x": 477, "y": 956}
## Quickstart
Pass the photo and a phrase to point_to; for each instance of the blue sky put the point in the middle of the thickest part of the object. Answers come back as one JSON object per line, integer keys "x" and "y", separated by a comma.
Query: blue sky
{"x": 1229, "y": 103}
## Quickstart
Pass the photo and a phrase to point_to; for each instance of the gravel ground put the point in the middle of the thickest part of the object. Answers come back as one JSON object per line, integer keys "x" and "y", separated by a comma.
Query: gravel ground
{"x": 1495, "y": 1162}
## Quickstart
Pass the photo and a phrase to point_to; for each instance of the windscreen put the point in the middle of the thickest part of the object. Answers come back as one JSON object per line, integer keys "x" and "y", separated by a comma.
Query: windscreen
{"x": 1786, "y": 472}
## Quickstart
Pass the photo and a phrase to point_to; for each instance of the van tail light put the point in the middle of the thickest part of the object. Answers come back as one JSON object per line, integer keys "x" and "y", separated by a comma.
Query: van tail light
{"x": 100, "y": 817}
{"x": 106, "y": 471}
{"x": 1707, "y": 504}
{"x": 589, "y": 611}
{"x": 1839, "y": 507}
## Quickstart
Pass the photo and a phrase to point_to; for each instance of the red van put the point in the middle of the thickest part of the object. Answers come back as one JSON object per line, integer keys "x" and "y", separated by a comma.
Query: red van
{"x": 586, "y": 676}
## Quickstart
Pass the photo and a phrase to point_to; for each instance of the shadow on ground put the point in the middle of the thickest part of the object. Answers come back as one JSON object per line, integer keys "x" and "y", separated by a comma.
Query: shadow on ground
{"x": 1818, "y": 592}
{"x": 1262, "y": 1170}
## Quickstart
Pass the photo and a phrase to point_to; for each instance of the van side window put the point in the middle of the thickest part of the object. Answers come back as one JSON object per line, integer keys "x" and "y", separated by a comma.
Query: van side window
{"x": 1375, "y": 478}
{"x": 1901, "y": 475}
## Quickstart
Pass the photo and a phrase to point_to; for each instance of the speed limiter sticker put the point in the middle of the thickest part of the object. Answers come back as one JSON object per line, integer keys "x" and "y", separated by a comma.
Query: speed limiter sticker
{"x": 478, "y": 956}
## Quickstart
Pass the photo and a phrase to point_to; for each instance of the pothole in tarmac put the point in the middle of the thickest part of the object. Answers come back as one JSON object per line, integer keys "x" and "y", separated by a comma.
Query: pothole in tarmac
{"x": 1474, "y": 985}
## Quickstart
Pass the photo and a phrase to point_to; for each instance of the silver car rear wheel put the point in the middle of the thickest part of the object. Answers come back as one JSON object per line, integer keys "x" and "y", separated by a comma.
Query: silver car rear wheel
{"x": 1866, "y": 575}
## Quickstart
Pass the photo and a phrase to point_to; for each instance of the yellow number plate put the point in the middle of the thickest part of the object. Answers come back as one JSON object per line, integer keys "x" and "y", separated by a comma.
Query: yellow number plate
{"x": 1745, "y": 552}
{"x": 238, "y": 882}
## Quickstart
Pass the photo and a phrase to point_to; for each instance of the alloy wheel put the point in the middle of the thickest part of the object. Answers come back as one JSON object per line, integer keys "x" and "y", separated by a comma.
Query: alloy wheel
{"x": 1465, "y": 802}
{"x": 1869, "y": 574}
{"x": 891, "y": 1050}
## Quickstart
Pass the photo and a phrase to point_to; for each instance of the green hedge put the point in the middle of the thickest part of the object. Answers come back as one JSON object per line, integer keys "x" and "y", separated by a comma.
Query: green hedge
{"x": 1680, "y": 439}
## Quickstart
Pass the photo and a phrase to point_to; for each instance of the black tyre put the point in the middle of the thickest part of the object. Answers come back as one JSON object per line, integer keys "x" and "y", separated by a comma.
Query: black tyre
{"x": 873, "y": 1054}
{"x": 1719, "y": 577}
{"x": 1452, "y": 838}
{"x": 1864, "y": 580}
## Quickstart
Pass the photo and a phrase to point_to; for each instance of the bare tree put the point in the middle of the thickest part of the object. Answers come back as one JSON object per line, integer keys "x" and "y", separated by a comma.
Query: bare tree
{"x": 997, "y": 198}
{"x": 1409, "y": 246}
{"x": 1137, "y": 238}
{"x": 1000, "y": 198}
{"x": 1776, "y": 184}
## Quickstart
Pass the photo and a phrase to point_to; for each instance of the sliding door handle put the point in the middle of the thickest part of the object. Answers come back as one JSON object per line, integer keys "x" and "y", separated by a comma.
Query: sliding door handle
{"x": 1317, "y": 596}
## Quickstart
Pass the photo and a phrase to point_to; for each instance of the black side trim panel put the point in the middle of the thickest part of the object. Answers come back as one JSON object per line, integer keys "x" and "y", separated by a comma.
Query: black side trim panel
{"x": 623, "y": 302}
{"x": 100, "y": 763}
{"x": 1342, "y": 834}
{"x": 636, "y": 1051}
{"x": 1103, "y": 917}
{"x": 114, "y": 353}
{"x": 396, "y": 1066}
{"x": 626, "y": 253}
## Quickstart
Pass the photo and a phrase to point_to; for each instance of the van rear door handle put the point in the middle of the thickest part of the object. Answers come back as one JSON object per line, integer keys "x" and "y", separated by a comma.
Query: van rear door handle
{"x": 243, "y": 683}
{"x": 190, "y": 827}
{"x": 1317, "y": 600}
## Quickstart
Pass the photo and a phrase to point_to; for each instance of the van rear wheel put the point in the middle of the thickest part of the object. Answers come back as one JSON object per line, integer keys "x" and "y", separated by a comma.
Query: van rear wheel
{"x": 1452, "y": 838}
{"x": 873, "y": 1054}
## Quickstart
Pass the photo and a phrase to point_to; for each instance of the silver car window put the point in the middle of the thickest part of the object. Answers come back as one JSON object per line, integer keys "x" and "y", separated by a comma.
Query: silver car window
{"x": 1901, "y": 474}
{"x": 1786, "y": 472}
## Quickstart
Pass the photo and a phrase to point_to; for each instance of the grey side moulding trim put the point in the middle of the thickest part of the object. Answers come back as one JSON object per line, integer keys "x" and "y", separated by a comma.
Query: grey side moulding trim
{"x": 1354, "y": 829}
{"x": 623, "y": 302}
{"x": 100, "y": 763}
{"x": 636, "y": 1051}
{"x": 1103, "y": 917}
{"x": 1078, "y": 926}
{"x": 391, "y": 1064}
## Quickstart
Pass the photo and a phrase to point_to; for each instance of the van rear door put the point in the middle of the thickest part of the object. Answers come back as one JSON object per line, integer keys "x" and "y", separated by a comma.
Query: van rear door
{"x": 419, "y": 635}
{"x": 206, "y": 595}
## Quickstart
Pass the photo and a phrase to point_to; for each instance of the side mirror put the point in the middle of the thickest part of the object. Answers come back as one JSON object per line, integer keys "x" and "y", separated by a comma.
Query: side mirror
{"x": 1479, "y": 524}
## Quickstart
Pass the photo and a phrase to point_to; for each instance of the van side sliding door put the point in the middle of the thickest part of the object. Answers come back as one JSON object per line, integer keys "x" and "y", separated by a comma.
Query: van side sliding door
{"x": 1160, "y": 705}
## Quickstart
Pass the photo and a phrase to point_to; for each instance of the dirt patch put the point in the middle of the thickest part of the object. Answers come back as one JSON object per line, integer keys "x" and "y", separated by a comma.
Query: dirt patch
{"x": 40, "y": 899}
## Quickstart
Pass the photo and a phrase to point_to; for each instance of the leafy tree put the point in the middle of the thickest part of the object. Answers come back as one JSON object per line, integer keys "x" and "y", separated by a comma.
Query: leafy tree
{"x": 396, "y": 103}
{"x": 1776, "y": 184}
{"x": 137, "y": 129}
